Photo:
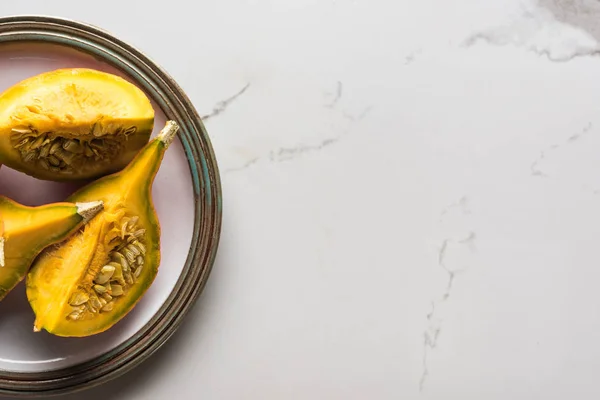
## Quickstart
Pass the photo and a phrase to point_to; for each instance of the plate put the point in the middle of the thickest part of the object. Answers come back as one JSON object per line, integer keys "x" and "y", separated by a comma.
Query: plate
{"x": 187, "y": 197}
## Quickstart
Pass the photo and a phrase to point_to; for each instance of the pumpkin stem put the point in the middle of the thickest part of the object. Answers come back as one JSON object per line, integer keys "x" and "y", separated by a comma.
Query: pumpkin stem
{"x": 167, "y": 134}
{"x": 89, "y": 209}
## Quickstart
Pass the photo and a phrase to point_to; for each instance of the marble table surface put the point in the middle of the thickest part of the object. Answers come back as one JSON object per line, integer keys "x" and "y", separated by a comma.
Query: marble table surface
{"x": 411, "y": 196}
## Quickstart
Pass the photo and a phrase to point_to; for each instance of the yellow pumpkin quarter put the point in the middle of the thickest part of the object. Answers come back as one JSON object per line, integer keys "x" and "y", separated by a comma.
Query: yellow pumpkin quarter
{"x": 94, "y": 278}
{"x": 25, "y": 231}
{"x": 73, "y": 124}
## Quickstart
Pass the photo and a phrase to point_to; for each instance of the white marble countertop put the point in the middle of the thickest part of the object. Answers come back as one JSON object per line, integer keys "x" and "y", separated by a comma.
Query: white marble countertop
{"x": 411, "y": 204}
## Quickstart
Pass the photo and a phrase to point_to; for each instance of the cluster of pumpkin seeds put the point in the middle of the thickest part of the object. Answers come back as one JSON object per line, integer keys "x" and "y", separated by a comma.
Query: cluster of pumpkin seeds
{"x": 51, "y": 151}
{"x": 113, "y": 279}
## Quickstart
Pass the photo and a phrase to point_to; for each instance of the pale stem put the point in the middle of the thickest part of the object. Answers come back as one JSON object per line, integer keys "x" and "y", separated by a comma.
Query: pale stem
{"x": 89, "y": 210}
{"x": 167, "y": 134}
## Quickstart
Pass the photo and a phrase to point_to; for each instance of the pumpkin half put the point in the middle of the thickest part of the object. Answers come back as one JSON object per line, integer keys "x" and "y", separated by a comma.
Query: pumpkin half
{"x": 25, "y": 231}
{"x": 94, "y": 278}
{"x": 73, "y": 124}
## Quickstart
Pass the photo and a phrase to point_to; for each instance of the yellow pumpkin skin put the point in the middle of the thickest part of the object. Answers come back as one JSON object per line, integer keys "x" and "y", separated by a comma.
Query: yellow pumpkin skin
{"x": 62, "y": 273}
{"x": 98, "y": 121}
{"x": 25, "y": 231}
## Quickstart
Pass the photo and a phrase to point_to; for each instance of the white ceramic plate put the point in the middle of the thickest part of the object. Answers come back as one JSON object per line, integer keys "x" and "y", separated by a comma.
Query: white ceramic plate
{"x": 182, "y": 178}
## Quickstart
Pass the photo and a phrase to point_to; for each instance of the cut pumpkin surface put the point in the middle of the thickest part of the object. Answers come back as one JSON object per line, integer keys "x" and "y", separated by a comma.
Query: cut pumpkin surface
{"x": 73, "y": 124}
{"x": 89, "y": 282}
{"x": 26, "y": 231}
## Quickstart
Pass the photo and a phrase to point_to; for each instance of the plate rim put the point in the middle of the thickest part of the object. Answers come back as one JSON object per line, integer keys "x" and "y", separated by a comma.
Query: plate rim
{"x": 173, "y": 101}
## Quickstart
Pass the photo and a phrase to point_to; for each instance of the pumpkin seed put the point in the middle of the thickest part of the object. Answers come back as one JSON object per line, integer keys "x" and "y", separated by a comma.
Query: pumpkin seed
{"x": 53, "y": 160}
{"x": 108, "y": 269}
{"x": 128, "y": 278}
{"x": 45, "y": 151}
{"x": 122, "y": 260}
{"x": 135, "y": 250}
{"x": 100, "y": 289}
{"x": 97, "y": 130}
{"x": 29, "y": 157}
{"x": 38, "y": 142}
{"x": 123, "y": 229}
{"x": 118, "y": 276}
{"x": 21, "y": 143}
{"x": 54, "y": 147}
{"x": 104, "y": 277}
{"x": 105, "y": 274}
{"x": 95, "y": 302}
{"x": 115, "y": 264}
{"x": 79, "y": 298}
{"x": 73, "y": 146}
{"x": 88, "y": 151}
{"x": 66, "y": 157}
{"x": 44, "y": 164}
{"x": 22, "y": 131}
{"x": 134, "y": 220}
{"x": 129, "y": 254}
{"x": 74, "y": 316}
